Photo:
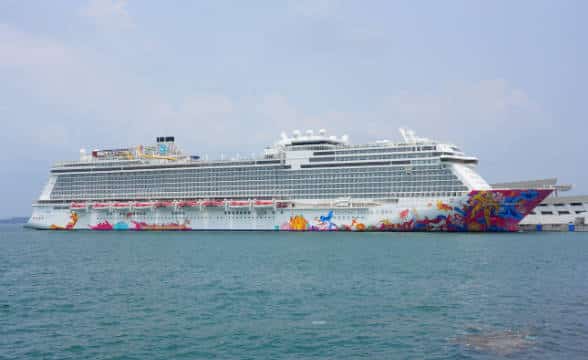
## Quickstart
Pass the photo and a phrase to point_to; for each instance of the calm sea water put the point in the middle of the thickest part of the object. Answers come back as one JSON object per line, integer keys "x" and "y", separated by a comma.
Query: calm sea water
{"x": 83, "y": 295}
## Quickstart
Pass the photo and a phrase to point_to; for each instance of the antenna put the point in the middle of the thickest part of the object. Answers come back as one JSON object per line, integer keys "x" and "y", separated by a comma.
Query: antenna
{"x": 410, "y": 137}
{"x": 403, "y": 134}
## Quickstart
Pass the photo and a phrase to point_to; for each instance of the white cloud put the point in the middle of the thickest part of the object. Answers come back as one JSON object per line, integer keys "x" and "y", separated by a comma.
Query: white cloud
{"x": 20, "y": 49}
{"x": 489, "y": 106}
{"x": 278, "y": 109}
{"x": 313, "y": 8}
{"x": 71, "y": 81}
{"x": 100, "y": 101}
{"x": 204, "y": 107}
{"x": 108, "y": 14}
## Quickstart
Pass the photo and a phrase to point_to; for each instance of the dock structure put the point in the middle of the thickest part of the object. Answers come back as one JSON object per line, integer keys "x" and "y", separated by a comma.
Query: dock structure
{"x": 556, "y": 212}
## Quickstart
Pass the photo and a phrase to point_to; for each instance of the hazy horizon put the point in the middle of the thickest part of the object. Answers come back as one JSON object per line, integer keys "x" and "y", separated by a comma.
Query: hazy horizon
{"x": 502, "y": 80}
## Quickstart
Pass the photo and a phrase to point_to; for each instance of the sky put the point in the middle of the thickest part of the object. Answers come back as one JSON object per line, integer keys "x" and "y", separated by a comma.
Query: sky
{"x": 504, "y": 80}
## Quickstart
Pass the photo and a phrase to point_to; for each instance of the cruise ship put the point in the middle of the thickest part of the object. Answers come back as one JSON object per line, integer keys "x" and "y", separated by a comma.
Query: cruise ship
{"x": 305, "y": 181}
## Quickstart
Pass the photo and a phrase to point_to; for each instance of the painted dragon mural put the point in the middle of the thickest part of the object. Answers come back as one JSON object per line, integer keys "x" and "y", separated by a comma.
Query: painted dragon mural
{"x": 484, "y": 210}
{"x": 479, "y": 211}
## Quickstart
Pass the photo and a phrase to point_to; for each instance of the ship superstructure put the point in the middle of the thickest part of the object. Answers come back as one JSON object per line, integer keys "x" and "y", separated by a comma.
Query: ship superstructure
{"x": 305, "y": 181}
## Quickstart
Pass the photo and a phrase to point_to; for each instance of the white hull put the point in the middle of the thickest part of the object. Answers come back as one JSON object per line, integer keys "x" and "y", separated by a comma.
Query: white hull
{"x": 491, "y": 210}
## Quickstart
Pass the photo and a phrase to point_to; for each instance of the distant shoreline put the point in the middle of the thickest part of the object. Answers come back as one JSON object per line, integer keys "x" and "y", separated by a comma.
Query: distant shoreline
{"x": 14, "y": 220}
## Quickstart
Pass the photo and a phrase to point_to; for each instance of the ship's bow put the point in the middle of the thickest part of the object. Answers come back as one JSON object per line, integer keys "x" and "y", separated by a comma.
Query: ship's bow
{"x": 500, "y": 209}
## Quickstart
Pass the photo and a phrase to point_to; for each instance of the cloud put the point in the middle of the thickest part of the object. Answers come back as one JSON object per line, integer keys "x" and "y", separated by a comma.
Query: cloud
{"x": 206, "y": 106}
{"x": 84, "y": 89}
{"x": 20, "y": 49}
{"x": 488, "y": 106}
{"x": 108, "y": 14}
{"x": 101, "y": 104}
{"x": 313, "y": 8}
{"x": 452, "y": 114}
{"x": 278, "y": 109}
{"x": 280, "y": 114}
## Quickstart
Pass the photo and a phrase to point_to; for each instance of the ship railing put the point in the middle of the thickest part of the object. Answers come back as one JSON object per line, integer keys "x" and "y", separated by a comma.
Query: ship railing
{"x": 93, "y": 163}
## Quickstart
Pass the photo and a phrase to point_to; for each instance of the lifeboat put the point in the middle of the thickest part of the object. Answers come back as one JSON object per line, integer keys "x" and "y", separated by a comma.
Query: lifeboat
{"x": 78, "y": 206}
{"x": 213, "y": 203}
{"x": 121, "y": 205}
{"x": 281, "y": 204}
{"x": 342, "y": 202}
{"x": 187, "y": 203}
{"x": 238, "y": 204}
{"x": 160, "y": 204}
{"x": 263, "y": 203}
{"x": 144, "y": 205}
{"x": 101, "y": 206}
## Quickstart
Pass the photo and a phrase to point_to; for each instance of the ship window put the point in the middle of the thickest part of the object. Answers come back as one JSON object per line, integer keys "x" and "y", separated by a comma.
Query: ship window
{"x": 542, "y": 204}
{"x": 580, "y": 211}
{"x": 563, "y": 212}
{"x": 558, "y": 204}
{"x": 546, "y": 212}
{"x": 576, "y": 204}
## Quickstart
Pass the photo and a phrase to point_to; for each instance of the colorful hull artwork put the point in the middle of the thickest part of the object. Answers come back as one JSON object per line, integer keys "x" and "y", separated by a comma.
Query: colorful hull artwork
{"x": 479, "y": 211}
{"x": 73, "y": 220}
{"x": 134, "y": 225}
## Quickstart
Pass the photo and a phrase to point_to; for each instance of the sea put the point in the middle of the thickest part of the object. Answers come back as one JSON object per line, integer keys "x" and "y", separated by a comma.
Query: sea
{"x": 275, "y": 295}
